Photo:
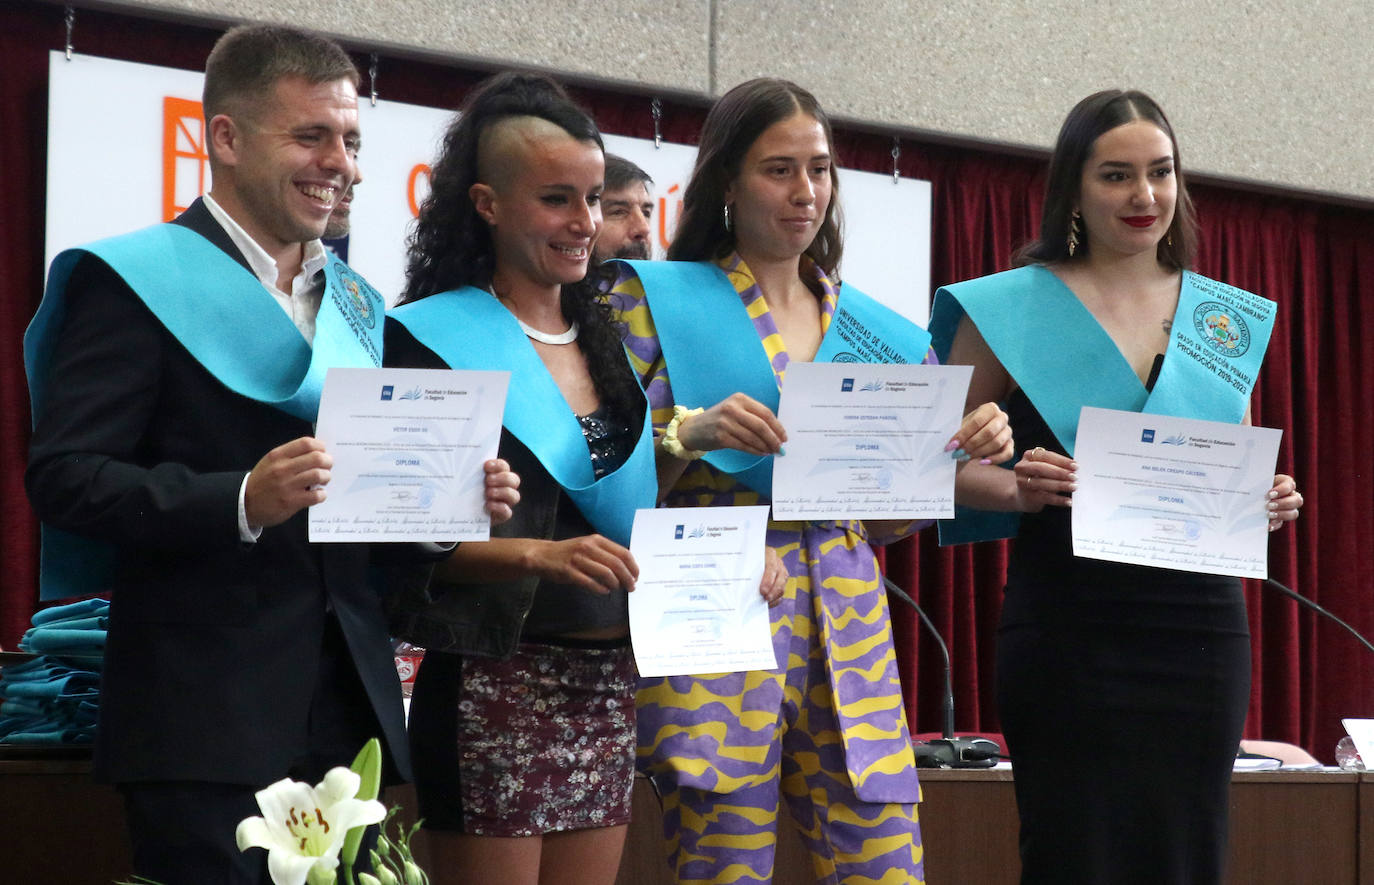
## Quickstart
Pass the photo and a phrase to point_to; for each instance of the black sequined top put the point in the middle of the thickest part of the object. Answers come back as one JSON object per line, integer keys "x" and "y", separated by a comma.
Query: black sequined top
{"x": 610, "y": 439}
{"x": 559, "y": 609}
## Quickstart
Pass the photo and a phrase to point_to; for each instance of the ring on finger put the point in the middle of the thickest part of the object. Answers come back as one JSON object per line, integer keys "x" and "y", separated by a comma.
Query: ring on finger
{"x": 1039, "y": 453}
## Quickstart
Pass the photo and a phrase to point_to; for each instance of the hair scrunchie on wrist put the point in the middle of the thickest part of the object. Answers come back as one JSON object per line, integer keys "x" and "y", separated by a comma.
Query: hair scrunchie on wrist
{"x": 671, "y": 444}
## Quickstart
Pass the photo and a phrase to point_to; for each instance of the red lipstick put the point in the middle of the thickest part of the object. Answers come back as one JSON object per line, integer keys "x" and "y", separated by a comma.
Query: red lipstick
{"x": 1140, "y": 220}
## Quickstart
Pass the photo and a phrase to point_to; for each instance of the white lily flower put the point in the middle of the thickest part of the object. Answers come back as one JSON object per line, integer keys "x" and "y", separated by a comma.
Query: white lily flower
{"x": 303, "y": 828}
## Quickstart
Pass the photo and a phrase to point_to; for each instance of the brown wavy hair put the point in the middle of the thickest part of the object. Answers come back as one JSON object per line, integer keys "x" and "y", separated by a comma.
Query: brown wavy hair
{"x": 734, "y": 123}
{"x": 1089, "y": 119}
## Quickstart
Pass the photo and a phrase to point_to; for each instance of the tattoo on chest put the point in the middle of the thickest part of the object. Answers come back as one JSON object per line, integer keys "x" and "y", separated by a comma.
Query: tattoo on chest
{"x": 1167, "y": 326}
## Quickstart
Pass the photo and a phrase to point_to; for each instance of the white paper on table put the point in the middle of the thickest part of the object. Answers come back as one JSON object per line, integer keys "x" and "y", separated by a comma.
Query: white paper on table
{"x": 868, "y": 441}
{"x": 408, "y": 447}
{"x": 696, "y": 606}
{"x": 1361, "y": 731}
{"x": 1175, "y": 493}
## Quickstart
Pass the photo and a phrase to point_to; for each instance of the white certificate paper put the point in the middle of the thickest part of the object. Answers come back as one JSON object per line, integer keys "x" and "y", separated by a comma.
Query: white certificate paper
{"x": 408, "y": 447}
{"x": 867, "y": 441}
{"x": 696, "y": 607}
{"x": 1173, "y": 492}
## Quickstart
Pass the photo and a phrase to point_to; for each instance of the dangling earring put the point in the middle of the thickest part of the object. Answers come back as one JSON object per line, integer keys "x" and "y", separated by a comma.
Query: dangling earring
{"x": 1169, "y": 238}
{"x": 728, "y": 225}
{"x": 1073, "y": 232}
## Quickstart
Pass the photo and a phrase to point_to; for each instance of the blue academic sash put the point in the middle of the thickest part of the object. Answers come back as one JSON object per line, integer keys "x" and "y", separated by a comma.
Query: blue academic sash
{"x": 712, "y": 350}
{"x": 220, "y": 313}
{"x": 469, "y": 329}
{"x": 1216, "y": 346}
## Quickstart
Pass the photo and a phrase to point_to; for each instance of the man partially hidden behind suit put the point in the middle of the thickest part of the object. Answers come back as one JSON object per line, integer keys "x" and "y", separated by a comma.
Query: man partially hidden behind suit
{"x": 175, "y": 378}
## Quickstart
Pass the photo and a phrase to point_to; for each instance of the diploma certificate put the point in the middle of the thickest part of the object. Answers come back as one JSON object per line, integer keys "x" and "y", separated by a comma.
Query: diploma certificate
{"x": 867, "y": 441}
{"x": 408, "y": 447}
{"x": 1173, "y": 492}
{"x": 696, "y": 607}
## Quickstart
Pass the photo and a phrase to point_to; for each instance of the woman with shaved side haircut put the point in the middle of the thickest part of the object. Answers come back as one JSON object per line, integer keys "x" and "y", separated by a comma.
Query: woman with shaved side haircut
{"x": 522, "y": 724}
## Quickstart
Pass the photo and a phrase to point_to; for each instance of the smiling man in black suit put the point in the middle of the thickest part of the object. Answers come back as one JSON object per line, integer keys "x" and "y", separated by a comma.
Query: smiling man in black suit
{"x": 175, "y": 374}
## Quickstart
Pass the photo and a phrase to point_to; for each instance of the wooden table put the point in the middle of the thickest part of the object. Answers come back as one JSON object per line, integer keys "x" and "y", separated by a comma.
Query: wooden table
{"x": 1286, "y": 827}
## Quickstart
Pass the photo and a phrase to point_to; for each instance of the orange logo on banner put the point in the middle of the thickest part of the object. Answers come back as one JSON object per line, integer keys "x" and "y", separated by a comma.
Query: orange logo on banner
{"x": 185, "y": 154}
{"x": 413, "y": 195}
{"x": 663, "y": 215}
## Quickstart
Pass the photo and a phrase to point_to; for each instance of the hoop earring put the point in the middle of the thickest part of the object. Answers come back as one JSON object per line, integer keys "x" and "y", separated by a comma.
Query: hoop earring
{"x": 729, "y": 225}
{"x": 1073, "y": 232}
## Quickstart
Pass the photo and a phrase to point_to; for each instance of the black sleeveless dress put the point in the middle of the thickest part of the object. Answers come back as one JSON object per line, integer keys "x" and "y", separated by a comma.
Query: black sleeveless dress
{"x": 1123, "y": 691}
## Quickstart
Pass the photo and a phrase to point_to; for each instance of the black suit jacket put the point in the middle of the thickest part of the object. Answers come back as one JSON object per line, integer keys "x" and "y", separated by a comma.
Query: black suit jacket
{"x": 214, "y": 645}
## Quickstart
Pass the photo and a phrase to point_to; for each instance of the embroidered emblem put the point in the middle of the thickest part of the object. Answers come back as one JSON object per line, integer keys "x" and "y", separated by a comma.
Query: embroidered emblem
{"x": 358, "y": 295}
{"x": 1221, "y": 329}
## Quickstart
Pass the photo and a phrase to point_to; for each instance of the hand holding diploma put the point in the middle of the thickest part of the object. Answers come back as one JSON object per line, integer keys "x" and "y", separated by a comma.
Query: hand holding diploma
{"x": 736, "y": 422}
{"x": 1044, "y": 479}
{"x": 502, "y": 490}
{"x": 873, "y": 441}
{"x": 410, "y": 452}
{"x": 1177, "y": 492}
{"x": 592, "y": 562}
{"x": 1284, "y": 501}
{"x": 983, "y": 436}
{"x": 286, "y": 480}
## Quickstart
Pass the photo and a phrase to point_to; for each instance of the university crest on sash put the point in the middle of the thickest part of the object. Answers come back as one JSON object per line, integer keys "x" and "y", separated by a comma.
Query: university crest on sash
{"x": 1222, "y": 329}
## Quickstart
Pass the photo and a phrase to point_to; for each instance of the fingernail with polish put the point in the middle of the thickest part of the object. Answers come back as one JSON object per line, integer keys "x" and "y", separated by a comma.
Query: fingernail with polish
{"x": 1273, "y": 493}
{"x": 959, "y": 455}
{"x": 951, "y": 445}
{"x": 985, "y": 461}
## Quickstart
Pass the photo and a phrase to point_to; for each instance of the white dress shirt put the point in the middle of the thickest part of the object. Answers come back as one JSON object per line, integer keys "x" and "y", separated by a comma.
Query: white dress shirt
{"x": 301, "y": 304}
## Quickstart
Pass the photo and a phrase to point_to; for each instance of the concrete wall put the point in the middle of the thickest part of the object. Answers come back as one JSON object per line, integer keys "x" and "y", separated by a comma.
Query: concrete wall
{"x": 1268, "y": 91}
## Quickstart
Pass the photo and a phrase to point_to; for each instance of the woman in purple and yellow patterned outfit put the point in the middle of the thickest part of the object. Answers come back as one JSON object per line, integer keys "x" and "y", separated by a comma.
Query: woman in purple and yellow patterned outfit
{"x": 826, "y": 730}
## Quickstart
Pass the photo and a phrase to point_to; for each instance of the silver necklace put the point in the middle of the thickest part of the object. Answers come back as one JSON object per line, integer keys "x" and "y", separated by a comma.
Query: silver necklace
{"x": 567, "y": 337}
{"x": 534, "y": 334}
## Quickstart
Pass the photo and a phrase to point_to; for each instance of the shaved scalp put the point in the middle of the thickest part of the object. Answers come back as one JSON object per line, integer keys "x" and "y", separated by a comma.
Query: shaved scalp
{"x": 451, "y": 245}
{"x": 503, "y": 148}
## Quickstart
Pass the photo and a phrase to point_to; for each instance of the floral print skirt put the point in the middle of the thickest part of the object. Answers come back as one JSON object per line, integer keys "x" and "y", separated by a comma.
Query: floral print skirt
{"x": 542, "y": 742}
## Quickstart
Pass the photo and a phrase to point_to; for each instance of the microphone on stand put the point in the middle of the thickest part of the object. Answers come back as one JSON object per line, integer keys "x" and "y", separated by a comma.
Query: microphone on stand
{"x": 947, "y": 751}
{"x": 1298, "y": 597}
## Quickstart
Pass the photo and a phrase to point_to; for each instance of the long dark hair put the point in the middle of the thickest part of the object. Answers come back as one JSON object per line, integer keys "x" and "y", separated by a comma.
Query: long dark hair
{"x": 1089, "y": 119}
{"x": 734, "y": 123}
{"x": 451, "y": 245}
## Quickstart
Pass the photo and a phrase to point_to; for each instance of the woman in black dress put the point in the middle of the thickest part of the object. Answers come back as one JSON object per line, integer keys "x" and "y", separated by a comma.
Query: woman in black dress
{"x": 1122, "y": 689}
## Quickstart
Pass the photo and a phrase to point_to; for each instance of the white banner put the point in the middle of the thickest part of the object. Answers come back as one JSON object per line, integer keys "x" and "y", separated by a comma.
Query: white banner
{"x": 126, "y": 149}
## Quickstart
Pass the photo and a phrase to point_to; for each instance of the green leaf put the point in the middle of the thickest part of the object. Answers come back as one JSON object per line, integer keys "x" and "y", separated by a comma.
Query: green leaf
{"x": 368, "y": 766}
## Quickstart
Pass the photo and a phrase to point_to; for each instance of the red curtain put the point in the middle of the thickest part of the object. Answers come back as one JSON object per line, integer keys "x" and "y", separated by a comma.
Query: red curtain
{"x": 1315, "y": 259}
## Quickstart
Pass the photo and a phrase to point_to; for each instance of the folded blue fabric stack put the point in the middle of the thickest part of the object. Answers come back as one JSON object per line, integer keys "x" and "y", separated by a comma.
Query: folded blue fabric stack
{"x": 53, "y": 698}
